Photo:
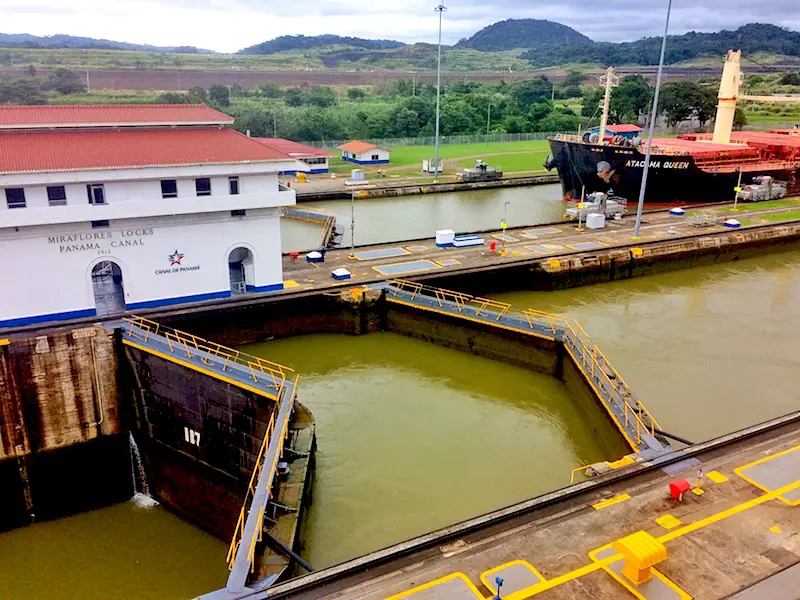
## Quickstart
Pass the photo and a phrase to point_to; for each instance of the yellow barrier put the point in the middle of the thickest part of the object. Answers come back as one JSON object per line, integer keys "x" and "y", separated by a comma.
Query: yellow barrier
{"x": 197, "y": 346}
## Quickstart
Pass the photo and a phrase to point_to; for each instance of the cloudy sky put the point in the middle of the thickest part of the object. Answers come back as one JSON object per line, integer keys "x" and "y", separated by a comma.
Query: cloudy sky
{"x": 228, "y": 25}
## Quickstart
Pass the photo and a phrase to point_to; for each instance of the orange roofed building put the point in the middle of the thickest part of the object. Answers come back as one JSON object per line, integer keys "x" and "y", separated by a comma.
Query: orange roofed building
{"x": 364, "y": 153}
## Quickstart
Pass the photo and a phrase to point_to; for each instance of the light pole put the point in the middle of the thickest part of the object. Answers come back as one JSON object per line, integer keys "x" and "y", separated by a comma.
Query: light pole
{"x": 440, "y": 9}
{"x": 488, "y": 119}
{"x": 653, "y": 114}
{"x": 504, "y": 222}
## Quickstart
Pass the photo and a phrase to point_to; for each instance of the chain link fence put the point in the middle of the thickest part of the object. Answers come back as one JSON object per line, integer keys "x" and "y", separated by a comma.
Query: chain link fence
{"x": 444, "y": 140}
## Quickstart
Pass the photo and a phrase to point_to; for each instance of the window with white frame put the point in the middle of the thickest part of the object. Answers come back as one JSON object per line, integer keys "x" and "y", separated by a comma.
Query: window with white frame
{"x": 169, "y": 188}
{"x": 15, "y": 197}
{"x": 203, "y": 186}
{"x": 56, "y": 195}
{"x": 96, "y": 193}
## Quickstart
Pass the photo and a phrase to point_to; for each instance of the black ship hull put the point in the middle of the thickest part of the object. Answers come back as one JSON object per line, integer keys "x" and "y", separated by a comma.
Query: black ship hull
{"x": 672, "y": 179}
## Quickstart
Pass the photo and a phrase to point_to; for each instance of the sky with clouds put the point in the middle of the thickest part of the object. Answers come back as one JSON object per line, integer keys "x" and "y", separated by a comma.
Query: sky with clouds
{"x": 229, "y": 25}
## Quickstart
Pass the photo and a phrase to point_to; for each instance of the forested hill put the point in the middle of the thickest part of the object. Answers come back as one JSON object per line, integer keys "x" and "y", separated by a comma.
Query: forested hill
{"x": 523, "y": 33}
{"x": 303, "y": 42}
{"x": 751, "y": 38}
{"x": 26, "y": 40}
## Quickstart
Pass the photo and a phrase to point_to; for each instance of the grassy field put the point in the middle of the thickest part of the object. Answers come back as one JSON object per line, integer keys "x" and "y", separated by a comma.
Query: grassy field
{"x": 512, "y": 157}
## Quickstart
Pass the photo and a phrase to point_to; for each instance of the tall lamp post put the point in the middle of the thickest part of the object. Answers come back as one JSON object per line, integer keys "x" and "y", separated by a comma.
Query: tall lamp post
{"x": 440, "y": 9}
{"x": 653, "y": 114}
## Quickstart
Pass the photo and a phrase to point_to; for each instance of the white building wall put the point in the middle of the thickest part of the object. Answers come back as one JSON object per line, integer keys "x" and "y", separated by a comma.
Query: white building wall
{"x": 383, "y": 155}
{"x": 47, "y": 272}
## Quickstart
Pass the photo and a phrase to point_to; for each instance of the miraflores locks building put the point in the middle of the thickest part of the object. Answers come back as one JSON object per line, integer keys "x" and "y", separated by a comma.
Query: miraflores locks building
{"x": 107, "y": 208}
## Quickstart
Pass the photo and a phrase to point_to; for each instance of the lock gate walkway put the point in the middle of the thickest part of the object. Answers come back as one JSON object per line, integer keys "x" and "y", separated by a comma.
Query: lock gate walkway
{"x": 636, "y": 424}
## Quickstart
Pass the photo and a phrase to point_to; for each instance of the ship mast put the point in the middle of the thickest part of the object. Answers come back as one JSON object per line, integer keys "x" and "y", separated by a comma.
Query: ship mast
{"x": 728, "y": 95}
{"x": 609, "y": 80}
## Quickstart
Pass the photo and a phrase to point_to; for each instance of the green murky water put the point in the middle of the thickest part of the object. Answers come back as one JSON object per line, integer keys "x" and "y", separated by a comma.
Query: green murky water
{"x": 412, "y": 436}
{"x": 380, "y": 220}
{"x": 130, "y": 550}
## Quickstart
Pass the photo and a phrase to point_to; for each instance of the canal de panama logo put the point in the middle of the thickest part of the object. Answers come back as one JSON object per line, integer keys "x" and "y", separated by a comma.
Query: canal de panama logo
{"x": 176, "y": 266}
{"x": 175, "y": 258}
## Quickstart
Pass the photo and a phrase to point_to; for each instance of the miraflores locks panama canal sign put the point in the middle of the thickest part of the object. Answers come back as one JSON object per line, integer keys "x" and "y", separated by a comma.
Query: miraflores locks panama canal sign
{"x": 104, "y": 242}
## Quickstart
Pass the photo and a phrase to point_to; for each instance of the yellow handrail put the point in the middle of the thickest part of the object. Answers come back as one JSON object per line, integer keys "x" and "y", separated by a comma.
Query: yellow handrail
{"x": 574, "y": 335}
{"x": 193, "y": 345}
{"x": 257, "y": 470}
{"x": 583, "y": 468}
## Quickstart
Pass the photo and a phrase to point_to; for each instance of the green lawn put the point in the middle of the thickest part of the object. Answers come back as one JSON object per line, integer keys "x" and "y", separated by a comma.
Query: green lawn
{"x": 409, "y": 155}
{"x": 750, "y": 206}
{"x": 789, "y": 215}
{"x": 513, "y": 163}
{"x": 512, "y": 157}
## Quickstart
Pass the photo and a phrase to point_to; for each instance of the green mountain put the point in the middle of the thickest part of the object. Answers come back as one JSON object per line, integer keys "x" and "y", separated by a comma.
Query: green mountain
{"x": 303, "y": 42}
{"x": 523, "y": 33}
{"x": 751, "y": 38}
{"x": 26, "y": 40}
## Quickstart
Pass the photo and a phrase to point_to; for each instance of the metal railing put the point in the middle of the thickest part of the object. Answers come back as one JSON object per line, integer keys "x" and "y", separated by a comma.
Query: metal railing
{"x": 261, "y": 464}
{"x": 610, "y": 385}
{"x": 445, "y": 140}
{"x": 192, "y": 345}
{"x": 633, "y": 419}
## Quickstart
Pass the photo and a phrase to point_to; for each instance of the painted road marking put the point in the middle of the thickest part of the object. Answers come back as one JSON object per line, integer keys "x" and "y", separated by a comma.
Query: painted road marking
{"x": 455, "y": 586}
{"x": 668, "y": 521}
{"x": 406, "y": 267}
{"x": 587, "y": 245}
{"x": 447, "y": 262}
{"x": 538, "y": 249}
{"x": 380, "y": 253}
{"x": 504, "y": 237}
{"x": 775, "y": 471}
{"x": 611, "y": 501}
{"x": 516, "y": 575}
{"x": 416, "y": 248}
{"x": 532, "y": 233}
{"x": 717, "y": 477}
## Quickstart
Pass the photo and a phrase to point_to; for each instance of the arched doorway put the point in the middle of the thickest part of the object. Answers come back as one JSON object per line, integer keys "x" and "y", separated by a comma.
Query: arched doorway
{"x": 109, "y": 295}
{"x": 241, "y": 270}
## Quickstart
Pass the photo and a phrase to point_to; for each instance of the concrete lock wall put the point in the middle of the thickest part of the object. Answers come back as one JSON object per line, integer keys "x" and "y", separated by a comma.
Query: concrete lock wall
{"x": 236, "y": 326}
{"x": 198, "y": 435}
{"x": 526, "y": 351}
{"x": 59, "y": 426}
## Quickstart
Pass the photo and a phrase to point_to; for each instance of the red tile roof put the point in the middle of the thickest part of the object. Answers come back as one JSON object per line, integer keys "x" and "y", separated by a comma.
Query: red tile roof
{"x": 357, "y": 147}
{"x": 47, "y": 151}
{"x": 27, "y": 117}
{"x": 291, "y": 148}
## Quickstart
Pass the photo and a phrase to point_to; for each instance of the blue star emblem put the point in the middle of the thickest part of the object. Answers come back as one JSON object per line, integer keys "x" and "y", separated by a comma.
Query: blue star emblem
{"x": 175, "y": 258}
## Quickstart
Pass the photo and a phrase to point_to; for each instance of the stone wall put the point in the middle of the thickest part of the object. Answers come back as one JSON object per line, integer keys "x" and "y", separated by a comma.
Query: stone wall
{"x": 61, "y": 448}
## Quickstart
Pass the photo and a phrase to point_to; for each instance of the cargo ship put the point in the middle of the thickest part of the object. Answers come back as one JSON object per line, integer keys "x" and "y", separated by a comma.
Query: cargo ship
{"x": 689, "y": 169}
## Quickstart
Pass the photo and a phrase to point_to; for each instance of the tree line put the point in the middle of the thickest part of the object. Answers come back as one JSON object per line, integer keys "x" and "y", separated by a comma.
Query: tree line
{"x": 406, "y": 108}
{"x": 33, "y": 89}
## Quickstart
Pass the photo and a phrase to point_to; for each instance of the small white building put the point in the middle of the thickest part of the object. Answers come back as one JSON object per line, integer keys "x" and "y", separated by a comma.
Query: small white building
{"x": 112, "y": 208}
{"x": 309, "y": 159}
{"x": 364, "y": 153}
